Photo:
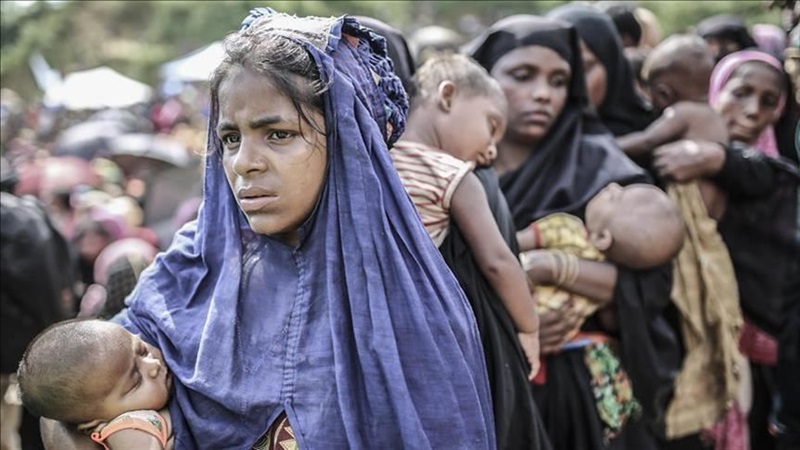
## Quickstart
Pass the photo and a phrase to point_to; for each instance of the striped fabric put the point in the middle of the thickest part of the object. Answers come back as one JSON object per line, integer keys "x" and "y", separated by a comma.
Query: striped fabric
{"x": 430, "y": 177}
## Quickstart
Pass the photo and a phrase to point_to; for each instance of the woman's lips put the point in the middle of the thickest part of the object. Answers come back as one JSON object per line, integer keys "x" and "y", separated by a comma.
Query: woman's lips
{"x": 251, "y": 204}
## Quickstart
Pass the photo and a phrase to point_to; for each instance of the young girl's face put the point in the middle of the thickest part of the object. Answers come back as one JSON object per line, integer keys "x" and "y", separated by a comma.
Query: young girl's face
{"x": 274, "y": 161}
{"x": 473, "y": 126}
{"x": 134, "y": 375}
{"x": 749, "y": 100}
{"x": 535, "y": 80}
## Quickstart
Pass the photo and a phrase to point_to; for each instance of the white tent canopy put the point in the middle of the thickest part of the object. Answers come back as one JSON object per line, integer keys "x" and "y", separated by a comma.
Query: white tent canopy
{"x": 99, "y": 88}
{"x": 196, "y": 66}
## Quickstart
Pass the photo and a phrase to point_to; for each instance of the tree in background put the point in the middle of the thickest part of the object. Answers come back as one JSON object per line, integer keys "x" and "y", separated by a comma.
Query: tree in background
{"x": 135, "y": 38}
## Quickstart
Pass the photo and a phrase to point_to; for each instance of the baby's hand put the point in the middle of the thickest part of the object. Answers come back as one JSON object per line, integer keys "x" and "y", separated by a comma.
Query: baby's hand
{"x": 530, "y": 346}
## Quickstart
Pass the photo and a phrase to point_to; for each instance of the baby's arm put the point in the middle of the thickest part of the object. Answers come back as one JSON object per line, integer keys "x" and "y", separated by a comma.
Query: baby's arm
{"x": 527, "y": 239}
{"x": 671, "y": 126}
{"x": 470, "y": 210}
{"x": 145, "y": 430}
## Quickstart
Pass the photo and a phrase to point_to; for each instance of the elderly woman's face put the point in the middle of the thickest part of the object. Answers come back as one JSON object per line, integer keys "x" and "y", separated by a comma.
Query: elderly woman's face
{"x": 535, "y": 80}
{"x": 749, "y": 101}
{"x": 274, "y": 161}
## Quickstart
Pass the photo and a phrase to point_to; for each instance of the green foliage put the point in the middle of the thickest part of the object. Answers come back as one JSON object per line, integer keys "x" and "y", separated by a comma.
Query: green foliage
{"x": 135, "y": 37}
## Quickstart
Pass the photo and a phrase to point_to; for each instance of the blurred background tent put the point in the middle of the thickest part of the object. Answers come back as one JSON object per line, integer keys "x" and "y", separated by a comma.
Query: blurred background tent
{"x": 196, "y": 66}
{"x": 100, "y": 88}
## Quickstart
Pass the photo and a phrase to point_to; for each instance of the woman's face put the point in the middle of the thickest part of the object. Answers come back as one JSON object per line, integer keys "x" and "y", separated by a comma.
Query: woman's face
{"x": 274, "y": 161}
{"x": 596, "y": 76}
{"x": 535, "y": 80}
{"x": 749, "y": 101}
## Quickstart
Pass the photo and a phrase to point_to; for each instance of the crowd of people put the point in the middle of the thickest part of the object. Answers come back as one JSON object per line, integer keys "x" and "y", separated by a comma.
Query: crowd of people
{"x": 565, "y": 232}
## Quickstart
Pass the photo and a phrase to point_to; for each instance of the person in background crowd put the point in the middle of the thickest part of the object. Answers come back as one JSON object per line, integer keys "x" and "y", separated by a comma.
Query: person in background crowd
{"x": 610, "y": 82}
{"x": 748, "y": 90}
{"x": 725, "y": 33}
{"x": 624, "y": 16}
{"x": 554, "y": 157}
{"x": 38, "y": 289}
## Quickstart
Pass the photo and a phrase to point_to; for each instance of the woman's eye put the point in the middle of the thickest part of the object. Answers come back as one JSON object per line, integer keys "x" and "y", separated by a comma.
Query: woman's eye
{"x": 739, "y": 93}
{"x": 281, "y": 135}
{"x": 558, "y": 81}
{"x": 520, "y": 75}
{"x": 230, "y": 139}
{"x": 770, "y": 102}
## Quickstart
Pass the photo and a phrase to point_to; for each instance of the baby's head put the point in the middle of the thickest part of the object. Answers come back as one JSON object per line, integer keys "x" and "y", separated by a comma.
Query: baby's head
{"x": 463, "y": 103}
{"x": 85, "y": 372}
{"x": 678, "y": 69}
{"x": 637, "y": 226}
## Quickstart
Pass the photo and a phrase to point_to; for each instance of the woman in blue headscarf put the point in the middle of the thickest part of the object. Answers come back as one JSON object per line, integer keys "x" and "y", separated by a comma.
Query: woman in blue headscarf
{"x": 308, "y": 290}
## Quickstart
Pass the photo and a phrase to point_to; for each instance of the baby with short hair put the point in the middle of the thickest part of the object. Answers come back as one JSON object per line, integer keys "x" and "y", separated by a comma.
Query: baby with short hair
{"x": 636, "y": 226}
{"x": 101, "y": 378}
{"x": 457, "y": 115}
{"x": 677, "y": 74}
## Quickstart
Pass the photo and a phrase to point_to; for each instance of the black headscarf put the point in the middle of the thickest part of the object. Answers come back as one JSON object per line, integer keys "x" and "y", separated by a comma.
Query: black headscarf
{"x": 623, "y": 110}
{"x": 727, "y": 27}
{"x": 578, "y": 156}
{"x": 397, "y": 46}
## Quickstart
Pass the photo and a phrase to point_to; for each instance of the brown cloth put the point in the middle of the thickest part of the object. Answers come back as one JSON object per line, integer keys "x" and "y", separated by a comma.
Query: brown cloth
{"x": 705, "y": 293}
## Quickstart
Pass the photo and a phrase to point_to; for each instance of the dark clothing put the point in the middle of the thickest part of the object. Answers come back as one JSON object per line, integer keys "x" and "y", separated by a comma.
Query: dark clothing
{"x": 516, "y": 417}
{"x": 726, "y": 27}
{"x": 759, "y": 228}
{"x": 576, "y": 158}
{"x": 36, "y": 271}
{"x": 623, "y": 110}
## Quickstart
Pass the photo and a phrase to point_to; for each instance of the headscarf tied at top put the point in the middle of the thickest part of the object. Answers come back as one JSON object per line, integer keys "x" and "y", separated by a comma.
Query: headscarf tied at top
{"x": 623, "y": 110}
{"x": 724, "y": 70}
{"x": 381, "y": 347}
{"x": 578, "y": 156}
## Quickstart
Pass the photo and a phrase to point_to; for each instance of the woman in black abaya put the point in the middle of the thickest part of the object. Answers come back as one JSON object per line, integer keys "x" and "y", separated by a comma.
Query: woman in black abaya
{"x": 554, "y": 157}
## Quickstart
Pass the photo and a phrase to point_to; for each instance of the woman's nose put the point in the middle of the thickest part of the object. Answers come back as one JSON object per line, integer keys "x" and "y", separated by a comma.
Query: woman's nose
{"x": 751, "y": 107}
{"x": 249, "y": 158}
{"x": 540, "y": 91}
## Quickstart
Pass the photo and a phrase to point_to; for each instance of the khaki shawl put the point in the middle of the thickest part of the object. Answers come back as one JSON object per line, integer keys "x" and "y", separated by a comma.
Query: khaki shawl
{"x": 706, "y": 295}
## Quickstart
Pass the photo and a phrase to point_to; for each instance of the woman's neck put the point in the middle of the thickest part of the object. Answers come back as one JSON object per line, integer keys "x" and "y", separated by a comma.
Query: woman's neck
{"x": 510, "y": 156}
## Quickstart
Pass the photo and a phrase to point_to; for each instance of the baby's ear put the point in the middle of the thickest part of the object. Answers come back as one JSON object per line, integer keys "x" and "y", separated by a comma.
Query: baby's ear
{"x": 602, "y": 240}
{"x": 88, "y": 428}
{"x": 446, "y": 92}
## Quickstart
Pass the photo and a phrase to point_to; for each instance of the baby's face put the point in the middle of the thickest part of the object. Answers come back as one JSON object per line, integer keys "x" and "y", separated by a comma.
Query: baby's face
{"x": 133, "y": 376}
{"x": 473, "y": 127}
{"x": 615, "y": 202}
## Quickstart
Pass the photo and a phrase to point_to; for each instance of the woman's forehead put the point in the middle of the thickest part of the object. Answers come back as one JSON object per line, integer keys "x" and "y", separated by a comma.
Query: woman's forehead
{"x": 533, "y": 56}
{"x": 758, "y": 72}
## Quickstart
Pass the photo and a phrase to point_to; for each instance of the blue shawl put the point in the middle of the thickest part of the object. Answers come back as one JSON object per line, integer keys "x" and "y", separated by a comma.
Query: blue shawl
{"x": 360, "y": 333}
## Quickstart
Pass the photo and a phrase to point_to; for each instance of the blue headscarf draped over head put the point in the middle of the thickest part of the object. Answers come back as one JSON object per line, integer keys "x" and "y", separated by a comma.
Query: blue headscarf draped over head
{"x": 360, "y": 333}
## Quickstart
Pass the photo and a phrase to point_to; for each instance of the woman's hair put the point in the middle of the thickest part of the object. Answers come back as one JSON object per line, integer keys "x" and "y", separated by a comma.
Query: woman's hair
{"x": 279, "y": 59}
{"x": 52, "y": 371}
{"x": 461, "y": 70}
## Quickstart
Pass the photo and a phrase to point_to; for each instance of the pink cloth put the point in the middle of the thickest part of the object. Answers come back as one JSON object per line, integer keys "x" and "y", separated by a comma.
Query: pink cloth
{"x": 730, "y": 433}
{"x": 766, "y": 143}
